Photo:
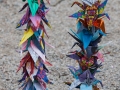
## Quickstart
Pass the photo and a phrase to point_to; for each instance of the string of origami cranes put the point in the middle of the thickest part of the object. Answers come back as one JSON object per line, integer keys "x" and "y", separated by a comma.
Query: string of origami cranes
{"x": 90, "y": 30}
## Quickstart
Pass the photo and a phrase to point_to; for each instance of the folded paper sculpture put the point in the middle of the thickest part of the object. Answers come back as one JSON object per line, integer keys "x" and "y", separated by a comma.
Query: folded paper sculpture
{"x": 34, "y": 62}
{"x": 90, "y": 30}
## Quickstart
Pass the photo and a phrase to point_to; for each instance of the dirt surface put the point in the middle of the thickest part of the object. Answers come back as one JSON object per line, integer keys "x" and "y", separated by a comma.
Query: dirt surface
{"x": 61, "y": 40}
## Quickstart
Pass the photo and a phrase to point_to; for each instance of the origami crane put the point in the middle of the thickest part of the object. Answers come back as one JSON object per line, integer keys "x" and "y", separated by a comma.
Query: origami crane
{"x": 91, "y": 15}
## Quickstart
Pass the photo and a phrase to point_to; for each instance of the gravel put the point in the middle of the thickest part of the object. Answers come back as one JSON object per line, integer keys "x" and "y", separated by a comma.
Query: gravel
{"x": 61, "y": 40}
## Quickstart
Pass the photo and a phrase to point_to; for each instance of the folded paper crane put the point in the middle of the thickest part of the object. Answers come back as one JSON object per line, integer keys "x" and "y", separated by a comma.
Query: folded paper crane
{"x": 32, "y": 42}
{"x": 90, "y": 30}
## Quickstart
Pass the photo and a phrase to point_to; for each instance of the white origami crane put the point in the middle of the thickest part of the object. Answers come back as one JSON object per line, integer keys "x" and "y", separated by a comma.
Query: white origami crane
{"x": 89, "y": 2}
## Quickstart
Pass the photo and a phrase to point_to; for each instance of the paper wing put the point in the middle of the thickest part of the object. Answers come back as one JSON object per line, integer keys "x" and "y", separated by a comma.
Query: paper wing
{"x": 79, "y": 14}
{"x": 102, "y": 7}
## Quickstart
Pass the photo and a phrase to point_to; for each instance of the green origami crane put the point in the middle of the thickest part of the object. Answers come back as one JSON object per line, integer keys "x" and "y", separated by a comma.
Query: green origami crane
{"x": 33, "y": 4}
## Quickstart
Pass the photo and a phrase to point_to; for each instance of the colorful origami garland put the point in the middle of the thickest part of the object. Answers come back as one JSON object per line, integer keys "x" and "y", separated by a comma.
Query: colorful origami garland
{"x": 32, "y": 42}
{"x": 90, "y": 29}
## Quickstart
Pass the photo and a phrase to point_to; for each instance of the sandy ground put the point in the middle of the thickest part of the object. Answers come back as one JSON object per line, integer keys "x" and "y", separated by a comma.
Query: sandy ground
{"x": 61, "y": 40}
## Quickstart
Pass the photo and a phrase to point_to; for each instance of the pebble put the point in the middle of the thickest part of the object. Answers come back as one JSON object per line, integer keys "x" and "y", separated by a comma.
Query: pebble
{"x": 61, "y": 40}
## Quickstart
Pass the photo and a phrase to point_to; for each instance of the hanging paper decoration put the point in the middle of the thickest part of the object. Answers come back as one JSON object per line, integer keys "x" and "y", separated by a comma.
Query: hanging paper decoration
{"x": 90, "y": 30}
{"x": 34, "y": 62}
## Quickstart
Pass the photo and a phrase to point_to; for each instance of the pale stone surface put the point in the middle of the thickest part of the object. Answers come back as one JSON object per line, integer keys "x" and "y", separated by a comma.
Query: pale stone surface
{"x": 55, "y": 2}
{"x": 61, "y": 40}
